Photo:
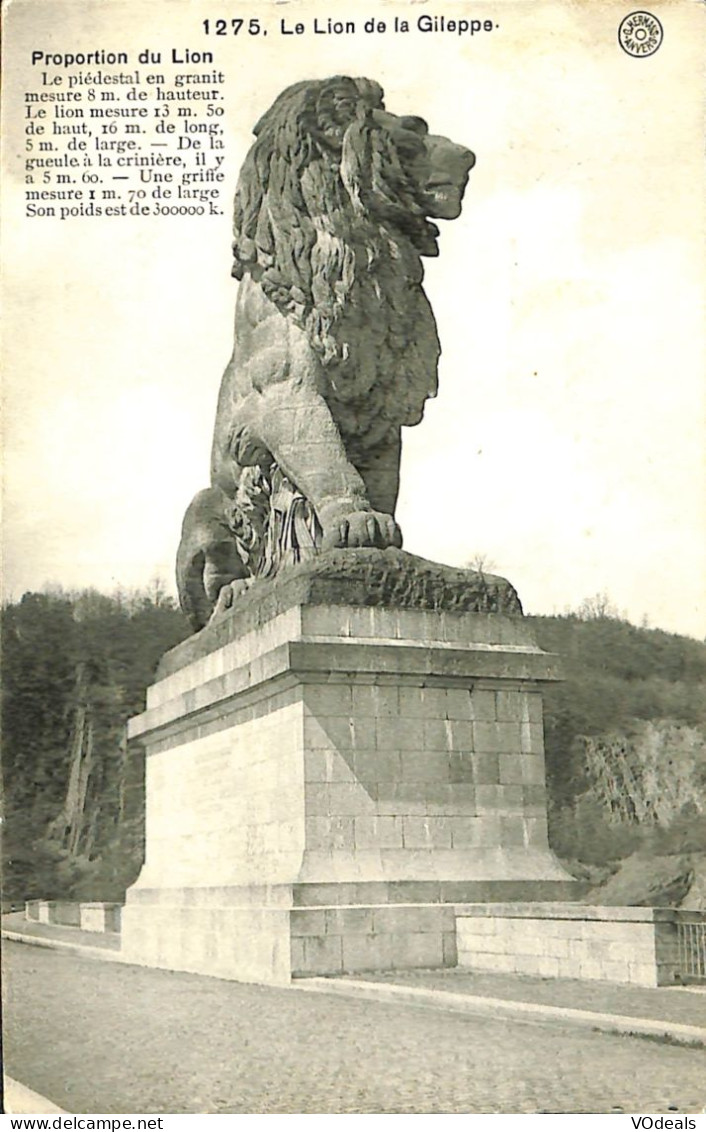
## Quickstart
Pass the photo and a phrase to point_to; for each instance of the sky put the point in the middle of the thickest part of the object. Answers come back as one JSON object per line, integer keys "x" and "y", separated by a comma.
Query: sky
{"x": 567, "y": 443}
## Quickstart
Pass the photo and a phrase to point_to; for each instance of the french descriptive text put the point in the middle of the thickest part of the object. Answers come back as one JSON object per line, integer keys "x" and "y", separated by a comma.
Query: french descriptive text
{"x": 102, "y": 141}
{"x": 374, "y": 26}
{"x": 111, "y": 58}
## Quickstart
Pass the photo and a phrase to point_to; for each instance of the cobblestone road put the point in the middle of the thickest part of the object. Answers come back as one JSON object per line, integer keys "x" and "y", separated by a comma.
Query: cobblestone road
{"x": 97, "y": 1037}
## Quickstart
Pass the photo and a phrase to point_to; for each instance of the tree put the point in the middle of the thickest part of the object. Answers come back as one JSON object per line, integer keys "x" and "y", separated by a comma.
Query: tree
{"x": 597, "y": 607}
{"x": 480, "y": 562}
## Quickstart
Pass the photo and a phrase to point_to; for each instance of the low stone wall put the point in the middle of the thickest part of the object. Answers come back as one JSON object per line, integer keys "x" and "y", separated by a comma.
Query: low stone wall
{"x": 64, "y": 912}
{"x": 100, "y": 917}
{"x": 572, "y": 941}
{"x": 90, "y": 917}
{"x": 299, "y": 936}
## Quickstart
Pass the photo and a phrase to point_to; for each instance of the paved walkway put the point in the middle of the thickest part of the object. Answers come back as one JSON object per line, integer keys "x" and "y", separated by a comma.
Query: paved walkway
{"x": 677, "y": 1011}
{"x": 680, "y": 1005}
{"x": 113, "y": 1038}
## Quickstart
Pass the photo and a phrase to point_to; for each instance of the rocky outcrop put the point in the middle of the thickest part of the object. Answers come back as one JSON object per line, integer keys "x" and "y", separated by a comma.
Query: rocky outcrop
{"x": 643, "y": 880}
{"x": 653, "y": 774}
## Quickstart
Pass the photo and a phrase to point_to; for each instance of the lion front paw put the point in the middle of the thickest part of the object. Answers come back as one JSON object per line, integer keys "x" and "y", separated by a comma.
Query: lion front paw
{"x": 362, "y": 528}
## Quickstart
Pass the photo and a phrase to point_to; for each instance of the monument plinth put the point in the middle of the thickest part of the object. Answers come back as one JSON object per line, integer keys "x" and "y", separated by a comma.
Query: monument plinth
{"x": 327, "y": 780}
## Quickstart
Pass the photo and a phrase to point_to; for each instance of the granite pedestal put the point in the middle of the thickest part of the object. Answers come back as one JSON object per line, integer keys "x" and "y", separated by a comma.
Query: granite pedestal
{"x": 328, "y": 776}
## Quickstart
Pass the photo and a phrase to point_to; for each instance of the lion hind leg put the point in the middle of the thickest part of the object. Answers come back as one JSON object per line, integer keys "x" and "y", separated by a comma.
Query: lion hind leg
{"x": 208, "y": 558}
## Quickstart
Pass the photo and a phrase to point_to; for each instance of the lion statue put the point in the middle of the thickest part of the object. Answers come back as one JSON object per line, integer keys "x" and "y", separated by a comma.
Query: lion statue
{"x": 336, "y": 346}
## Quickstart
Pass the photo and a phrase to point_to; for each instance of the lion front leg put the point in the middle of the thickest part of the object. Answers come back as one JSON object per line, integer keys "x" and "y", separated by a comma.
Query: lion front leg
{"x": 297, "y": 426}
{"x": 380, "y": 470}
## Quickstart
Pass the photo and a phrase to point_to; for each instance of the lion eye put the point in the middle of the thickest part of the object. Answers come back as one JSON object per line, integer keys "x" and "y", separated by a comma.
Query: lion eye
{"x": 345, "y": 106}
{"x": 409, "y": 145}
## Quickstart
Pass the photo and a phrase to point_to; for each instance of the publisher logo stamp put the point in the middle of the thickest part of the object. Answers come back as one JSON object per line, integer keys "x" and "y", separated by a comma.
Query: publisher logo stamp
{"x": 640, "y": 34}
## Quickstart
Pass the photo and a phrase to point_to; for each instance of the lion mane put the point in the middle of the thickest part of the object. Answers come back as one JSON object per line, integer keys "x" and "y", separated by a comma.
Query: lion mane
{"x": 329, "y": 221}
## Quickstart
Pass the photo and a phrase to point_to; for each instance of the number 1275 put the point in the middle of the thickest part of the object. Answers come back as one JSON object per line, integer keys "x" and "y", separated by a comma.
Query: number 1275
{"x": 232, "y": 27}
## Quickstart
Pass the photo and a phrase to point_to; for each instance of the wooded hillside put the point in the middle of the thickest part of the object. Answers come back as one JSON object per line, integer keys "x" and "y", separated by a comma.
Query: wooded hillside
{"x": 625, "y": 739}
{"x": 75, "y": 668}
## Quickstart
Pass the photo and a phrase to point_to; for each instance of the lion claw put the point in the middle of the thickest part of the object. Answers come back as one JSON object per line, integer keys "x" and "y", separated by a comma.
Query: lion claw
{"x": 364, "y": 528}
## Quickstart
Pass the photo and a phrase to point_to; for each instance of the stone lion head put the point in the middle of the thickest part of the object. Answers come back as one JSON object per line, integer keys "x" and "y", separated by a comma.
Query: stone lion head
{"x": 334, "y": 193}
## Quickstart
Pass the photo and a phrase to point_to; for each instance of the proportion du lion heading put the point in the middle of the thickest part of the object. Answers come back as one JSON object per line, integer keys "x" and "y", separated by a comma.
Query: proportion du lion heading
{"x": 335, "y": 345}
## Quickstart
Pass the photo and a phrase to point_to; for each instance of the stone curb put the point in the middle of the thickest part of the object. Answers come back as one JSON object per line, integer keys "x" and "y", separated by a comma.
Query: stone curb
{"x": 505, "y": 1008}
{"x": 64, "y": 945}
{"x": 440, "y": 1000}
{"x": 21, "y": 1101}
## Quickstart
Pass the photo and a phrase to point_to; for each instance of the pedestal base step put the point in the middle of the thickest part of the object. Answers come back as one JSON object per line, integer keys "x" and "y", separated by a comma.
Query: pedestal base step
{"x": 274, "y": 935}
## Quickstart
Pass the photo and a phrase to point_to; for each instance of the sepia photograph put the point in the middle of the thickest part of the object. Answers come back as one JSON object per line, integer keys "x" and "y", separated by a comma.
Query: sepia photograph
{"x": 354, "y": 546}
